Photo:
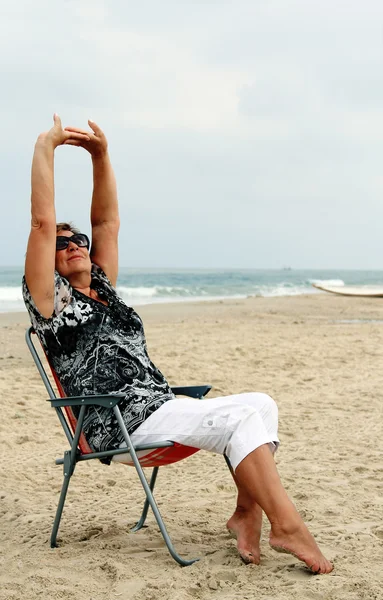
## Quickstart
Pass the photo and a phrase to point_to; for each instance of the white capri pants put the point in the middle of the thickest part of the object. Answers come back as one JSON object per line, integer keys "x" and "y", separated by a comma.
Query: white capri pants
{"x": 232, "y": 425}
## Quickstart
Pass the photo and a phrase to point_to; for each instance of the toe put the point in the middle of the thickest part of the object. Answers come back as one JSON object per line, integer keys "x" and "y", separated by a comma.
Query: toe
{"x": 249, "y": 557}
{"x": 321, "y": 567}
{"x": 246, "y": 557}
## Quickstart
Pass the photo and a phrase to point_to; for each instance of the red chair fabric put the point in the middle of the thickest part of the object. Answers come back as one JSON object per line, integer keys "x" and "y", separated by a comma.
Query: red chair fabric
{"x": 157, "y": 458}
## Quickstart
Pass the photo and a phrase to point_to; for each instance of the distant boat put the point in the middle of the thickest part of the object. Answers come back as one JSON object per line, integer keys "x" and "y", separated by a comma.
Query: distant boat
{"x": 286, "y": 269}
{"x": 363, "y": 291}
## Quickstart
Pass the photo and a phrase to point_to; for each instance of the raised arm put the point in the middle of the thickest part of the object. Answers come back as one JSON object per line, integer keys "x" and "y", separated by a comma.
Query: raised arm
{"x": 104, "y": 211}
{"x": 40, "y": 257}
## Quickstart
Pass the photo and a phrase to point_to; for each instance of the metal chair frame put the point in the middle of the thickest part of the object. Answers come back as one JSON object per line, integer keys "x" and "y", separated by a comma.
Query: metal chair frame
{"x": 74, "y": 455}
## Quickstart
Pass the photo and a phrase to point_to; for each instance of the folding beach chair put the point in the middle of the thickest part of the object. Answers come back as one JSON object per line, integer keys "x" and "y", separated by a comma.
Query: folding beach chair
{"x": 162, "y": 453}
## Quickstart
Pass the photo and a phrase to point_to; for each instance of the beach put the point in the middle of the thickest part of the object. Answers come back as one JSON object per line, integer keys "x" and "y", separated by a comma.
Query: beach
{"x": 319, "y": 356}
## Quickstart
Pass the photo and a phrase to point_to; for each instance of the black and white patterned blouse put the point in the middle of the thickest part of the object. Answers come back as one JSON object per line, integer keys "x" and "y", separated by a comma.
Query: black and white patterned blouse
{"x": 98, "y": 349}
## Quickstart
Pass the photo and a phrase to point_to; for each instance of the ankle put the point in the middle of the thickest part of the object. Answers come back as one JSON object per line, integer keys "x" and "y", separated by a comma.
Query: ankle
{"x": 286, "y": 526}
{"x": 242, "y": 510}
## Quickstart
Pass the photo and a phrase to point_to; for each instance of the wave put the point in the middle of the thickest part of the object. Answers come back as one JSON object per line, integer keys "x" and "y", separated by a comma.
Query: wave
{"x": 286, "y": 290}
{"x": 337, "y": 282}
{"x": 193, "y": 288}
{"x": 11, "y": 299}
{"x": 160, "y": 291}
{"x": 131, "y": 292}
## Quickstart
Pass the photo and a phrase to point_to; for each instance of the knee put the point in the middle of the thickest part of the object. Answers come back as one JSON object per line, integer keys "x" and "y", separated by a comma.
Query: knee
{"x": 270, "y": 402}
{"x": 271, "y": 406}
{"x": 267, "y": 407}
{"x": 262, "y": 402}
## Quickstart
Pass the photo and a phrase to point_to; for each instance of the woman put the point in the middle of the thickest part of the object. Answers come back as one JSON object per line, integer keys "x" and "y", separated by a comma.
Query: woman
{"x": 96, "y": 344}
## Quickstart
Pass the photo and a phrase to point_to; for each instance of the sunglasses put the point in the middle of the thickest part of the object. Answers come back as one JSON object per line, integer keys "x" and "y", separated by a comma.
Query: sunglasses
{"x": 80, "y": 239}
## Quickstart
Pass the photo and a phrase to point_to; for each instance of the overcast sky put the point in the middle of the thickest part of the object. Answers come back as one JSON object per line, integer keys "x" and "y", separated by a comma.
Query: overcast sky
{"x": 243, "y": 133}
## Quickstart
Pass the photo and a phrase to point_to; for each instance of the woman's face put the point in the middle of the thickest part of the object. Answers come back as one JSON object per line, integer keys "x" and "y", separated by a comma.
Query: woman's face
{"x": 73, "y": 259}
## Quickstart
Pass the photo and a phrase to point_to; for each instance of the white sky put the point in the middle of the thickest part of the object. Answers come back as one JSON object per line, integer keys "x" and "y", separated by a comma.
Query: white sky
{"x": 243, "y": 133}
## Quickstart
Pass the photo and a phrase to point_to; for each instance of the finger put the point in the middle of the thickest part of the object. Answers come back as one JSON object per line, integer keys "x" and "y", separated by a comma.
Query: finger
{"x": 77, "y": 136}
{"x": 72, "y": 143}
{"x": 78, "y": 130}
{"x": 95, "y": 127}
{"x": 57, "y": 120}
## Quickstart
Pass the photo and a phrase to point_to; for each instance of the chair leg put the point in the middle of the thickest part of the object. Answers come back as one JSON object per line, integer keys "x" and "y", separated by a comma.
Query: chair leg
{"x": 142, "y": 519}
{"x": 159, "y": 520}
{"x": 149, "y": 494}
{"x": 68, "y": 472}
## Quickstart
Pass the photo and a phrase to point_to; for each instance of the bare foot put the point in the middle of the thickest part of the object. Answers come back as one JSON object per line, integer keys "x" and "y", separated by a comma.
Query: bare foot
{"x": 299, "y": 542}
{"x": 245, "y": 526}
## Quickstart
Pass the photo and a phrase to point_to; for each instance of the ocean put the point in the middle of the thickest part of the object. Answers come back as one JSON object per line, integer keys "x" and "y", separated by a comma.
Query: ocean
{"x": 147, "y": 286}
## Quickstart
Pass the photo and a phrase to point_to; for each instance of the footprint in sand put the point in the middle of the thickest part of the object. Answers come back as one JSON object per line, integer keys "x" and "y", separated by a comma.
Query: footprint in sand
{"x": 93, "y": 532}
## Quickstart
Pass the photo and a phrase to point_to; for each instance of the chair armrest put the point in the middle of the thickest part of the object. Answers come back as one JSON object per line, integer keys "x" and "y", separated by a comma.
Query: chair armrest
{"x": 193, "y": 391}
{"x": 110, "y": 400}
{"x": 105, "y": 400}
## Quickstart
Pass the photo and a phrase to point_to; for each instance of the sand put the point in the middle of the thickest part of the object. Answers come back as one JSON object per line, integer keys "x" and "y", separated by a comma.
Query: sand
{"x": 319, "y": 356}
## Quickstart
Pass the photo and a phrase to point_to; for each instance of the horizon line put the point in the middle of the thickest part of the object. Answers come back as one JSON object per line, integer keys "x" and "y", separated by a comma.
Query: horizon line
{"x": 228, "y": 268}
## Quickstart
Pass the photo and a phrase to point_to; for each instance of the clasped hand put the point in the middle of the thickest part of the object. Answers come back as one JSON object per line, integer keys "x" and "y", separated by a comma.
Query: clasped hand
{"x": 93, "y": 141}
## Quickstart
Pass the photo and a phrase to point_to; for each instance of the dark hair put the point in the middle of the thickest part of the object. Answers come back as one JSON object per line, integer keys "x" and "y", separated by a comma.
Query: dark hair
{"x": 66, "y": 227}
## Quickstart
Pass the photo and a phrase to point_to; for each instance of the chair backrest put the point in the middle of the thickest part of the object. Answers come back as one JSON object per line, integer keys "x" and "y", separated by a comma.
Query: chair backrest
{"x": 71, "y": 417}
{"x": 67, "y": 418}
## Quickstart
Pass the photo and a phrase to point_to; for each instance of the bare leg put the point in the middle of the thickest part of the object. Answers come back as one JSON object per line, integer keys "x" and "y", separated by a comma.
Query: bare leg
{"x": 257, "y": 475}
{"x": 246, "y": 524}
